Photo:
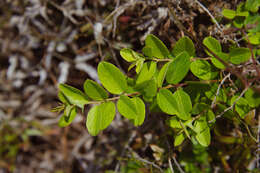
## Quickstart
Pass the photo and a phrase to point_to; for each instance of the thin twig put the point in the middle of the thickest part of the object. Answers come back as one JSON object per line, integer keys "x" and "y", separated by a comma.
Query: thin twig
{"x": 221, "y": 83}
{"x": 177, "y": 164}
{"x": 231, "y": 107}
{"x": 136, "y": 156}
{"x": 170, "y": 165}
{"x": 211, "y": 16}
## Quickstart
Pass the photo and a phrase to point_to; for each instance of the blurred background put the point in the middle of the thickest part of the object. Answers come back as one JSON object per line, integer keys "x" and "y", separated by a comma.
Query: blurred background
{"x": 46, "y": 42}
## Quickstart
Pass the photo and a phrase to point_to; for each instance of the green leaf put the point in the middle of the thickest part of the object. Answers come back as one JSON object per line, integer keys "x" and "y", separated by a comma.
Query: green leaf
{"x": 73, "y": 95}
{"x": 242, "y": 106}
{"x": 184, "y": 105}
{"x": 252, "y": 97}
{"x": 167, "y": 102}
{"x": 63, "y": 98}
{"x": 203, "y": 70}
{"x": 158, "y": 49}
{"x": 254, "y": 38}
{"x": 147, "y": 72}
{"x": 212, "y": 44}
{"x": 178, "y": 68}
{"x": 217, "y": 63}
{"x": 112, "y": 78}
{"x": 128, "y": 54}
{"x": 149, "y": 90}
{"x": 173, "y": 122}
{"x": 147, "y": 51}
{"x": 203, "y": 132}
{"x": 238, "y": 21}
{"x": 184, "y": 44}
{"x": 230, "y": 14}
{"x": 94, "y": 90}
{"x": 252, "y": 5}
{"x": 132, "y": 108}
{"x": 99, "y": 117}
{"x": 179, "y": 139}
{"x": 68, "y": 116}
{"x": 139, "y": 65}
{"x": 239, "y": 55}
{"x": 162, "y": 74}
{"x": 212, "y": 93}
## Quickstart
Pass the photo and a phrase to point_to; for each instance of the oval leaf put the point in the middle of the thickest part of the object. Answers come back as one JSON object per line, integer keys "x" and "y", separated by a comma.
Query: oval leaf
{"x": 94, "y": 90}
{"x": 239, "y": 55}
{"x": 158, "y": 49}
{"x": 212, "y": 44}
{"x": 203, "y": 132}
{"x": 167, "y": 102}
{"x": 184, "y": 44}
{"x": 179, "y": 139}
{"x": 178, "y": 68}
{"x": 217, "y": 63}
{"x": 184, "y": 105}
{"x": 203, "y": 70}
{"x": 127, "y": 54}
{"x": 230, "y": 14}
{"x": 99, "y": 117}
{"x": 73, "y": 95}
{"x": 112, "y": 78}
{"x": 133, "y": 109}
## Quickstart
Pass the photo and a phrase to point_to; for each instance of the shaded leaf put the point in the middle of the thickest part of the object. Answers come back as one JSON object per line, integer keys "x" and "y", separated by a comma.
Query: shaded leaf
{"x": 179, "y": 139}
{"x": 239, "y": 55}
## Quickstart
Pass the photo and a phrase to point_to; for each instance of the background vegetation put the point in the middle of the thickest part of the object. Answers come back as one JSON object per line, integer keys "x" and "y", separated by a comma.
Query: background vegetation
{"x": 46, "y": 42}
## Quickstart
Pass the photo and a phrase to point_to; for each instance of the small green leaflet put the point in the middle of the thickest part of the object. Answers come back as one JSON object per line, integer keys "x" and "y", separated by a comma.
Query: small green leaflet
{"x": 158, "y": 49}
{"x": 239, "y": 55}
{"x": 94, "y": 90}
{"x": 132, "y": 108}
{"x": 173, "y": 122}
{"x": 69, "y": 115}
{"x": 73, "y": 95}
{"x": 179, "y": 139}
{"x": 178, "y": 68}
{"x": 203, "y": 70}
{"x": 184, "y": 45}
{"x": 100, "y": 116}
{"x": 128, "y": 54}
{"x": 63, "y": 98}
{"x": 112, "y": 78}
{"x": 230, "y": 14}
